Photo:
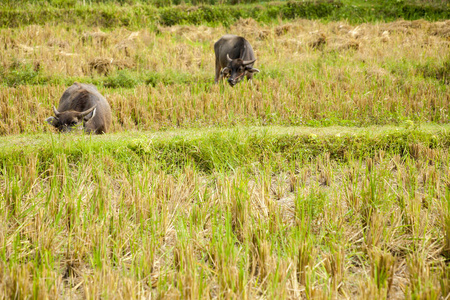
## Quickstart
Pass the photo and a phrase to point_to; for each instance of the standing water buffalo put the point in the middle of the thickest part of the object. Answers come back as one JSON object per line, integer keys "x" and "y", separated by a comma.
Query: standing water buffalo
{"x": 82, "y": 104}
{"x": 235, "y": 57}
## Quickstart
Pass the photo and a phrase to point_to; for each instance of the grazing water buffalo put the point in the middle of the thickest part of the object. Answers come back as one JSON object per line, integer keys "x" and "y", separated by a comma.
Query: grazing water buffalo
{"x": 82, "y": 104}
{"x": 235, "y": 57}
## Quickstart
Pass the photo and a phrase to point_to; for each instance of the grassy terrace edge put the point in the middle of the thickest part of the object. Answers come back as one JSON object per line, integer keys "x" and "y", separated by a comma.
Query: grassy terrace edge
{"x": 225, "y": 149}
{"x": 141, "y": 15}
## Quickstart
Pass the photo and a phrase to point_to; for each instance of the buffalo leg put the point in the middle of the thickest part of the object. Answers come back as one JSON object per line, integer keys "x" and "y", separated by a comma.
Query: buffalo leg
{"x": 218, "y": 75}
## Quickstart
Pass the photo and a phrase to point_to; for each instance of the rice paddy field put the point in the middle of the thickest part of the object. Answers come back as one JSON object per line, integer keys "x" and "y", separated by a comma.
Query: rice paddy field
{"x": 326, "y": 177}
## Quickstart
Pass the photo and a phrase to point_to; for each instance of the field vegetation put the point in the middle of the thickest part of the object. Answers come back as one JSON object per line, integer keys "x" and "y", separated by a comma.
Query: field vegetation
{"x": 134, "y": 13}
{"x": 327, "y": 177}
{"x": 311, "y": 74}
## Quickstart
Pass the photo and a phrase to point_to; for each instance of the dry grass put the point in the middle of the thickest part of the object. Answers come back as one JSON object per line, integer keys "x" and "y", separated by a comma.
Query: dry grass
{"x": 311, "y": 72}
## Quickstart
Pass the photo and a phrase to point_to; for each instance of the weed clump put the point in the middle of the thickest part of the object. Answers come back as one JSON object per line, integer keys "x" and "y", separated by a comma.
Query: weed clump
{"x": 21, "y": 73}
{"x": 121, "y": 79}
{"x": 439, "y": 72}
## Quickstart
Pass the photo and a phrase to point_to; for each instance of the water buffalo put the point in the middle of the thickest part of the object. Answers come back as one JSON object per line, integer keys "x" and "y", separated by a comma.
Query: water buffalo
{"x": 235, "y": 57}
{"x": 82, "y": 104}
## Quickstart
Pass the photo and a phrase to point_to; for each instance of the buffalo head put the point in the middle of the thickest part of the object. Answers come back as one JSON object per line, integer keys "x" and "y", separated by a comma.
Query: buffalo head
{"x": 237, "y": 68}
{"x": 68, "y": 120}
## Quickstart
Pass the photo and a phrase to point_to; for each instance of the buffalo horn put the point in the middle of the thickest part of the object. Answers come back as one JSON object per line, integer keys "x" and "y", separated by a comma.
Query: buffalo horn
{"x": 247, "y": 62}
{"x": 86, "y": 112}
{"x": 228, "y": 58}
{"x": 55, "y": 111}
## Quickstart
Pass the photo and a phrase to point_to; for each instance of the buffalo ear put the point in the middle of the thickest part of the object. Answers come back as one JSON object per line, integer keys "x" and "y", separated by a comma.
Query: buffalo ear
{"x": 52, "y": 121}
{"x": 252, "y": 70}
{"x": 225, "y": 70}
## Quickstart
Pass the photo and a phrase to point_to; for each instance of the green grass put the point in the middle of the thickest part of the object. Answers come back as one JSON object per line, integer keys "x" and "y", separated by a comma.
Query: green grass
{"x": 141, "y": 15}
{"x": 227, "y": 149}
